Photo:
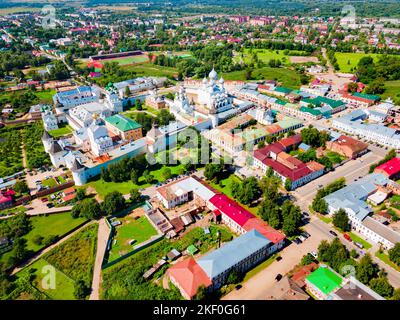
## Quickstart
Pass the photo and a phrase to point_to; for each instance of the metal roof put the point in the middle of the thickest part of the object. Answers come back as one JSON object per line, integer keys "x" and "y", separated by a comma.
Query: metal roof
{"x": 232, "y": 253}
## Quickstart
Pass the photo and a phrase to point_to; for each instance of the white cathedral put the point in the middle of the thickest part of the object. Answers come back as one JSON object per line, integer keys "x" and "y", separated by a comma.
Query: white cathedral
{"x": 208, "y": 100}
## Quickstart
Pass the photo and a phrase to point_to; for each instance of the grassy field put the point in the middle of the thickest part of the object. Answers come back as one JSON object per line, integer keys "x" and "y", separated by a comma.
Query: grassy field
{"x": 385, "y": 258}
{"x": 148, "y": 69}
{"x": 102, "y": 187}
{"x": 349, "y": 60}
{"x": 287, "y": 77}
{"x": 392, "y": 90}
{"x": 5, "y": 11}
{"x": 64, "y": 286}
{"x": 75, "y": 257}
{"x": 61, "y": 131}
{"x": 51, "y": 225}
{"x": 264, "y": 55}
{"x": 140, "y": 230}
{"x": 356, "y": 238}
{"x": 46, "y": 96}
{"x": 335, "y": 157}
{"x": 123, "y": 61}
{"x": 49, "y": 182}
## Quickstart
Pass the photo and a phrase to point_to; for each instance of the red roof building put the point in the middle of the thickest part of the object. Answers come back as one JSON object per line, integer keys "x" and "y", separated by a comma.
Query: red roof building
{"x": 6, "y": 198}
{"x": 265, "y": 229}
{"x": 390, "y": 169}
{"x": 231, "y": 209}
{"x": 188, "y": 276}
{"x": 285, "y": 165}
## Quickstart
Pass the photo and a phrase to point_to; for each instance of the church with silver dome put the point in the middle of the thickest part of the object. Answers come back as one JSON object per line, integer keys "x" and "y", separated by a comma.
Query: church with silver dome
{"x": 208, "y": 100}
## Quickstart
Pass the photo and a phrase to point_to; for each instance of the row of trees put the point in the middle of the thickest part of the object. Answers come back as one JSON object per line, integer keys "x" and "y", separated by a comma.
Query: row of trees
{"x": 390, "y": 155}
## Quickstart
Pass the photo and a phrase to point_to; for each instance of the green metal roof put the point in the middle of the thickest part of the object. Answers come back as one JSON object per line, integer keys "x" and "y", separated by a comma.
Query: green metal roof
{"x": 123, "y": 123}
{"x": 192, "y": 249}
{"x": 366, "y": 96}
{"x": 325, "y": 279}
{"x": 283, "y": 89}
{"x": 281, "y": 102}
{"x": 310, "y": 110}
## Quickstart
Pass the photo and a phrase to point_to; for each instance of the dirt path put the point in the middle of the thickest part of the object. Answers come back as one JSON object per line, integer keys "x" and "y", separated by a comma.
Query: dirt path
{"x": 102, "y": 238}
{"x": 42, "y": 252}
{"x": 24, "y": 159}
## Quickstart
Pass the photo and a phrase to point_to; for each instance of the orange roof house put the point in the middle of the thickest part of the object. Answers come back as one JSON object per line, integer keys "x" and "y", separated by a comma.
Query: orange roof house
{"x": 188, "y": 276}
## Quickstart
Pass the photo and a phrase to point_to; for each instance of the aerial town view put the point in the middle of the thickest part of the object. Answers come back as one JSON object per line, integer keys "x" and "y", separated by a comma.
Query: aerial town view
{"x": 215, "y": 151}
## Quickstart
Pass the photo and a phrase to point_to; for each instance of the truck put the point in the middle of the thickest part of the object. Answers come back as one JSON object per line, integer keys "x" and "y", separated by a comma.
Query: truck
{"x": 347, "y": 237}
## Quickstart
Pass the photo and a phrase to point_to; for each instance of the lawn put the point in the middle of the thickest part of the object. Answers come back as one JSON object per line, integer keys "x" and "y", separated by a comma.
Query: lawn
{"x": 356, "y": 238}
{"x": 46, "y": 96}
{"x": 349, "y": 60}
{"x": 75, "y": 257}
{"x": 385, "y": 258}
{"x": 115, "y": 285}
{"x": 103, "y": 188}
{"x": 64, "y": 286}
{"x": 11, "y": 10}
{"x": 260, "y": 267}
{"x": 325, "y": 219}
{"x": 10, "y": 153}
{"x": 140, "y": 230}
{"x": 265, "y": 55}
{"x": 50, "y": 183}
{"x": 149, "y": 69}
{"x": 127, "y": 60}
{"x": 392, "y": 89}
{"x": 287, "y": 77}
{"x": 51, "y": 225}
{"x": 62, "y": 131}
{"x": 335, "y": 157}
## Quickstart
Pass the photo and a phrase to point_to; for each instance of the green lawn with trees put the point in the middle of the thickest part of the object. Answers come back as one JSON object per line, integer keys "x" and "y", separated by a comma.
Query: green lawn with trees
{"x": 116, "y": 287}
{"x": 138, "y": 229}
{"x": 46, "y": 228}
{"x": 10, "y": 152}
{"x": 32, "y": 138}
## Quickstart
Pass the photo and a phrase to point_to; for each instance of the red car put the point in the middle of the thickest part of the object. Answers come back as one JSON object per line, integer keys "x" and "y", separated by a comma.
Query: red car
{"x": 347, "y": 237}
{"x": 44, "y": 199}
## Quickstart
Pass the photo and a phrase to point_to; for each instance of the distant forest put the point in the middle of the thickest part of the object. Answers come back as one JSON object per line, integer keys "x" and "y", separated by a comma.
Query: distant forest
{"x": 364, "y": 8}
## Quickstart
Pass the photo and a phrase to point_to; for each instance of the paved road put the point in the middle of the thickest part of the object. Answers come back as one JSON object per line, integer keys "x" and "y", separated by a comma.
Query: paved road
{"x": 350, "y": 171}
{"x": 102, "y": 238}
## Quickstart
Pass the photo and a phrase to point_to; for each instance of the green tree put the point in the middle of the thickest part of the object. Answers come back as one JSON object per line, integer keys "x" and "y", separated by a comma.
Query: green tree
{"x": 135, "y": 196}
{"x": 134, "y": 176}
{"x": 288, "y": 184}
{"x": 307, "y": 259}
{"x": 394, "y": 254}
{"x": 382, "y": 286}
{"x": 213, "y": 171}
{"x": 21, "y": 187}
{"x": 341, "y": 220}
{"x": 81, "y": 290}
{"x": 80, "y": 194}
{"x": 366, "y": 269}
{"x": 233, "y": 277}
{"x": 88, "y": 208}
{"x": 113, "y": 203}
{"x": 148, "y": 177}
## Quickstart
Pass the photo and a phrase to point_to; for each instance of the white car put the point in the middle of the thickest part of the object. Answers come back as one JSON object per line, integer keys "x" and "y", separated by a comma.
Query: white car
{"x": 302, "y": 238}
{"x": 314, "y": 254}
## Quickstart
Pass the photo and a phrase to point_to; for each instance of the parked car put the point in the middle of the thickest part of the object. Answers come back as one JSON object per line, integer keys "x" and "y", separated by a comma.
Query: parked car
{"x": 44, "y": 199}
{"x": 297, "y": 241}
{"x": 50, "y": 205}
{"x": 278, "y": 277}
{"x": 305, "y": 234}
{"x": 360, "y": 245}
{"x": 347, "y": 237}
{"x": 314, "y": 254}
{"x": 279, "y": 258}
{"x": 333, "y": 233}
{"x": 302, "y": 238}
{"x": 305, "y": 213}
{"x": 239, "y": 286}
